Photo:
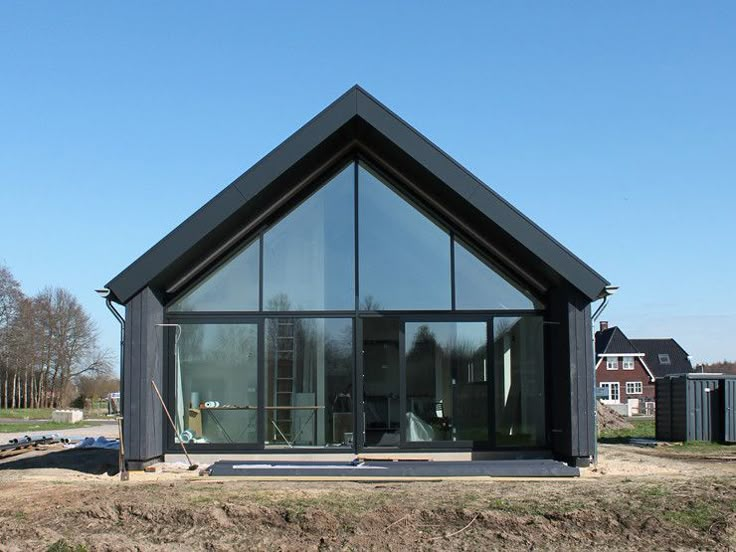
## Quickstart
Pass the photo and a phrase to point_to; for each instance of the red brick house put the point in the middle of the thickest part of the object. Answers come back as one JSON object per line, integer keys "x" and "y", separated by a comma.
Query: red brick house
{"x": 621, "y": 368}
{"x": 628, "y": 367}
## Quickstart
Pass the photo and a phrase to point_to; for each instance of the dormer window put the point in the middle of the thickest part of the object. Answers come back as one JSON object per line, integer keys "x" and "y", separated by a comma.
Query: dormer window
{"x": 664, "y": 359}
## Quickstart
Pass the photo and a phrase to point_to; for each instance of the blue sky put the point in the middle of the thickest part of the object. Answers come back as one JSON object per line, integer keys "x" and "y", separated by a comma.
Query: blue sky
{"x": 612, "y": 125}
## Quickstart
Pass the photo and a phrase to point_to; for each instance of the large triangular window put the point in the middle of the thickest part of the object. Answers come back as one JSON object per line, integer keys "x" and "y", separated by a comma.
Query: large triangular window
{"x": 232, "y": 286}
{"x": 404, "y": 259}
{"x": 309, "y": 255}
{"x": 404, "y": 255}
{"x": 478, "y": 286}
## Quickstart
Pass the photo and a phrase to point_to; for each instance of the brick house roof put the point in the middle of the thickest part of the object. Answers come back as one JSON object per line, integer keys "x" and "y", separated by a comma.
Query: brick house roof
{"x": 679, "y": 363}
{"x": 613, "y": 341}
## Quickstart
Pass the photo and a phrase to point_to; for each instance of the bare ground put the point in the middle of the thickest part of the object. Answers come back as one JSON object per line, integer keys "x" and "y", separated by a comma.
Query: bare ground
{"x": 636, "y": 499}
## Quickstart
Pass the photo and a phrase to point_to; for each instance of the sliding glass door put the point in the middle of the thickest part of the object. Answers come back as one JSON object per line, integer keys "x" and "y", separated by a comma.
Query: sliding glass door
{"x": 381, "y": 385}
{"x": 446, "y": 383}
{"x": 453, "y": 384}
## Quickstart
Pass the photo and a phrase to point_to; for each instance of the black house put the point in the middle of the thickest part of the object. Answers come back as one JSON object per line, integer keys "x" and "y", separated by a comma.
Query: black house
{"x": 358, "y": 290}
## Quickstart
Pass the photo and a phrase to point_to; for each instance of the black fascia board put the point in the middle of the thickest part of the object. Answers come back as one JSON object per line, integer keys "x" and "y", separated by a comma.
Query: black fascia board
{"x": 354, "y": 117}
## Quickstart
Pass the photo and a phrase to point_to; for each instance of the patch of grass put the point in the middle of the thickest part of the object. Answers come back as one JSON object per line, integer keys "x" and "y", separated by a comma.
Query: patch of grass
{"x": 653, "y": 491}
{"x": 34, "y": 427}
{"x": 698, "y": 515}
{"x": 534, "y": 508}
{"x": 643, "y": 429}
{"x": 62, "y": 546}
{"x": 26, "y": 413}
{"x": 704, "y": 448}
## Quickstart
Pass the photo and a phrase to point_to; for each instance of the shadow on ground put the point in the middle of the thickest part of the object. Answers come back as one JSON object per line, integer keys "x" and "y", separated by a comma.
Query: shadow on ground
{"x": 90, "y": 461}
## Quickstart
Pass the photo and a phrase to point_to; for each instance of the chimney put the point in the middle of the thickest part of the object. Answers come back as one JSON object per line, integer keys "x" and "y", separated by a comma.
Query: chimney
{"x": 604, "y": 325}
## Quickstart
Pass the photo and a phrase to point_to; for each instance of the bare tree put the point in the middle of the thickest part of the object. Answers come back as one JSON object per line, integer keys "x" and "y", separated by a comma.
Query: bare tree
{"x": 10, "y": 299}
{"x": 45, "y": 343}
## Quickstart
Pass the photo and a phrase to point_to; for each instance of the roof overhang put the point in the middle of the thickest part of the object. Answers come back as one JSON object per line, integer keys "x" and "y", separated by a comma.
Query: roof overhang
{"x": 356, "y": 123}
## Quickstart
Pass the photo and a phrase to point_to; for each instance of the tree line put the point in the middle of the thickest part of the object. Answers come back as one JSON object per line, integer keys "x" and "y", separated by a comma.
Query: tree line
{"x": 48, "y": 346}
{"x": 722, "y": 367}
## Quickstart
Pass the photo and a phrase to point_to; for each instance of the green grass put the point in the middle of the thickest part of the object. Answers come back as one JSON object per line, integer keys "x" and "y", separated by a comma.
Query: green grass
{"x": 534, "y": 508}
{"x": 26, "y": 413}
{"x": 35, "y": 427}
{"x": 698, "y": 515}
{"x": 63, "y": 546}
{"x": 643, "y": 429}
{"x": 702, "y": 448}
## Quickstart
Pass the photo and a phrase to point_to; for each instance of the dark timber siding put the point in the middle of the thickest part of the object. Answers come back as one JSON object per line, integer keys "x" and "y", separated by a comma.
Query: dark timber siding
{"x": 663, "y": 412}
{"x": 728, "y": 402}
{"x": 570, "y": 376}
{"x": 703, "y": 410}
{"x": 678, "y": 409}
{"x": 142, "y": 413}
{"x": 696, "y": 407}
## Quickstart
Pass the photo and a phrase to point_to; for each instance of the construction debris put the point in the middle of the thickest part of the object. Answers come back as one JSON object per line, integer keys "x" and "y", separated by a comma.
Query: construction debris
{"x": 609, "y": 419}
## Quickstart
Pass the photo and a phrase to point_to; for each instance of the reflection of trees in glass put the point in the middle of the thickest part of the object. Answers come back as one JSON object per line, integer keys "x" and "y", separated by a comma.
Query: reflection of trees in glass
{"x": 370, "y": 303}
{"x": 231, "y": 345}
{"x": 279, "y": 302}
{"x": 424, "y": 340}
{"x": 190, "y": 341}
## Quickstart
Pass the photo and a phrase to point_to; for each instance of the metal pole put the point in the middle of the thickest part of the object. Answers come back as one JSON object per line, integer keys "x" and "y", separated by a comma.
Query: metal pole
{"x": 192, "y": 465}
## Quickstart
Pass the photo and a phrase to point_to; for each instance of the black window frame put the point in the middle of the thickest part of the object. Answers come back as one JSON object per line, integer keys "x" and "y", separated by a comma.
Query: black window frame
{"x": 357, "y": 316}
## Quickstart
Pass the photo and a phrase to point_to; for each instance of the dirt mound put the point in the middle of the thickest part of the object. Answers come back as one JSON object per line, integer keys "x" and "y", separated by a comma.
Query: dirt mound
{"x": 610, "y": 420}
{"x": 198, "y": 515}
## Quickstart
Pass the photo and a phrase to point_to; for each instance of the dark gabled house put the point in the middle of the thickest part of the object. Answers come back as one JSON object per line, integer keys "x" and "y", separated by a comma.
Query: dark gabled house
{"x": 357, "y": 291}
{"x": 628, "y": 368}
{"x": 665, "y": 357}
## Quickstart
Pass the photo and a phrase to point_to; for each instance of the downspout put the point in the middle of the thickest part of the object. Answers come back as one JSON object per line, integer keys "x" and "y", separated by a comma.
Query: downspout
{"x": 105, "y": 294}
{"x": 606, "y": 293}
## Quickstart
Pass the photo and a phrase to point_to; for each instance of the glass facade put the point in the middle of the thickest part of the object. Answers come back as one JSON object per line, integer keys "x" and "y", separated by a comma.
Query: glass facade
{"x": 478, "y": 286}
{"x": 404, "y": 256}
{"x": 232, "y": 286}
{"x": 308, "y": 256}
{"x": 446, "y": 381}
{"x": 381, "y": 381}
{"x": 519, "y": 375}
{"x": 335, "y": 331}
{"x": 216, "y": 385}
{"x": 309, "y": 382}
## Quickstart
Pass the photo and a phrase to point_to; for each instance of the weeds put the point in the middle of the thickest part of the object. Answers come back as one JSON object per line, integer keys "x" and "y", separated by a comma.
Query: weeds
{"x": 62, "y": 546}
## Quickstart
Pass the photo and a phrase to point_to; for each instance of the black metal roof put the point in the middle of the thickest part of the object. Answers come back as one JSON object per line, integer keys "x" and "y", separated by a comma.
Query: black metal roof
{"x": 613, "y": 341}
{"x": 652, "y": 348}
{"x": 357, "y": 122}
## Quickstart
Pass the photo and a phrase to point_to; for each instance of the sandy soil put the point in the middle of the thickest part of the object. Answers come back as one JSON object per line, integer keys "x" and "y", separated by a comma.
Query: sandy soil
{"x": 635, "y": 499}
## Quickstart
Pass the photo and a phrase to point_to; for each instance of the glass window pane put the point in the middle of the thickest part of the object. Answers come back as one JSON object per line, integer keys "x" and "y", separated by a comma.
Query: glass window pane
{"x": 404, "y": 256}
{"x": 446, "y": 381}
{"x": 519, "y": 377}
{"x": 309, "y": 382}
{"x": 233, "y": 286}
{"x": 381, "y": 384}
{"x": 217, "y": 383}
{"x": 478, "y": 286}
{"x": 309, "y": 255}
